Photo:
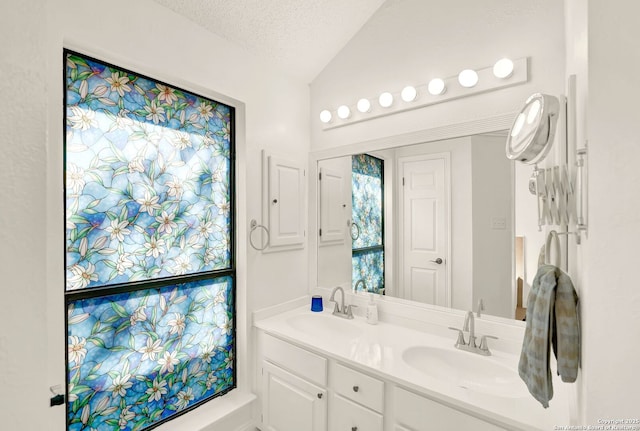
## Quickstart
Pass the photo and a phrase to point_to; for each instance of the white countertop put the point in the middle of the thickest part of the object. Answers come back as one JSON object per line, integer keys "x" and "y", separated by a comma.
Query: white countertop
{"x": 377, "y": 349}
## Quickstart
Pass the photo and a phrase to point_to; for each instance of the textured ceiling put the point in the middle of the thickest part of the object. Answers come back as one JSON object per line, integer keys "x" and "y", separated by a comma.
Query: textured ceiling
{"x": 301, "y": 36}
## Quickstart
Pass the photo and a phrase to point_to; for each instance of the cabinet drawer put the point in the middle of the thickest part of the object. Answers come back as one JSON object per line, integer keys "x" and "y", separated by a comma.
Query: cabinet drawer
{"x": 418, "y": 413}
{"x": 348, "y": 416}
{"x": 358, "y": 387}
{"x": 299, "y": 361}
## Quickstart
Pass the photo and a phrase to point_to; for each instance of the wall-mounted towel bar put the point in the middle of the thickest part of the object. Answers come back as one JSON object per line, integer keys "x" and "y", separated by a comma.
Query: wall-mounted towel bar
{"x": 253, "y": 225}
{"x": 552, "y": 240}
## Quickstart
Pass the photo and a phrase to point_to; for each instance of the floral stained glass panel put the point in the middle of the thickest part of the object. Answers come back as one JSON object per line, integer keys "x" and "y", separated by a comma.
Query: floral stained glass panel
{"x": 148, "y": 174}
{"x": 366, "y": 201}
{"x": 368, "y": 266}
{"x": 136, "y": 358}
{"x": 367, "y": 262}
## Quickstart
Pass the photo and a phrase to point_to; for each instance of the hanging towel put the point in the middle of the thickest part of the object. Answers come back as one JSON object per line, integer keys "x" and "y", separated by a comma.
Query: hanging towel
{"x": 552, "y": 320}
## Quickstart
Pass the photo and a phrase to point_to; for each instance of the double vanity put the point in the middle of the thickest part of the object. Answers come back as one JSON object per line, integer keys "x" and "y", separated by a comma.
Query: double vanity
{"x": 322, "y": 372}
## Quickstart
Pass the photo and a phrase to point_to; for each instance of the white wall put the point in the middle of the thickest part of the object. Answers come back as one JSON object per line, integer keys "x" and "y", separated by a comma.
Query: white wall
{"x": 152, "y": 40}
{"x": 23, "y": 325}
{"x": 577, "y": 55}
{"x": 411, "y": 41}
{"x": 492, "y": 197}
{"x": 608, "y": 261}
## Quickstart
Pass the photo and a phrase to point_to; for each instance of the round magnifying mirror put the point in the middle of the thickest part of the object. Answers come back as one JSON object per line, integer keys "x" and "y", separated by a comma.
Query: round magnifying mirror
{"x": 531, "y": 135}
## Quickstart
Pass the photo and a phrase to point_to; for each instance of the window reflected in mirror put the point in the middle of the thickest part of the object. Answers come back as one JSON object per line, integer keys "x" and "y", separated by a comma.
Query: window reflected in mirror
{"x": 367, "y": 223}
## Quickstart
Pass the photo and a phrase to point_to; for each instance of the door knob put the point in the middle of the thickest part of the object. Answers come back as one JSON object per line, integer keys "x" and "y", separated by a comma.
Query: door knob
{"x": 438, "y": 261}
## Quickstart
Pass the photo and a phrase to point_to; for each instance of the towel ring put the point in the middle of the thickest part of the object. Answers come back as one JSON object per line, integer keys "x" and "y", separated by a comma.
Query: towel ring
{"x": 553, "y": 236}
{"x": 254, "y": 225}
{"x": 357, "y": 234}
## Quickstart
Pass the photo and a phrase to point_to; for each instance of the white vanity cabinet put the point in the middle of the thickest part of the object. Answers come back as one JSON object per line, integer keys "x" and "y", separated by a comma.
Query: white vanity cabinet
{"x": 414, "y": 412}
{"x": 304, "y": 391}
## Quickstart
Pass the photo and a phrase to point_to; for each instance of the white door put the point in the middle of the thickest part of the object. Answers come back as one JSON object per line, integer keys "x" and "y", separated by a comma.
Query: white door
{"x": 424, "y": 228}
{"x": 291, "y": 403}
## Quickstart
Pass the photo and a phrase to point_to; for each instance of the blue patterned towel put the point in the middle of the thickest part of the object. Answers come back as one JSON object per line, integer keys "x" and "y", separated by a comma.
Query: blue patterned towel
{"x": 552, "y": 320}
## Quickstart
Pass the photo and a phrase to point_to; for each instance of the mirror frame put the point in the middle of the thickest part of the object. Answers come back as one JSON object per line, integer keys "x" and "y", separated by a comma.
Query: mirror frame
{"x": 495, "y": 123}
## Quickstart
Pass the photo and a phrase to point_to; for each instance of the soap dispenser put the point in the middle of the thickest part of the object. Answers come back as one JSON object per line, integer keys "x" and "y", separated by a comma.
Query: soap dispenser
{"x": 372, "y": 311}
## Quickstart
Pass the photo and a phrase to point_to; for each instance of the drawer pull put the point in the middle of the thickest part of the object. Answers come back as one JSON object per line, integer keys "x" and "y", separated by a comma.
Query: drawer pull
{"x": 320, "y": 395}
{"x": 354, "y": 428}
{"x": 356, "y": 389}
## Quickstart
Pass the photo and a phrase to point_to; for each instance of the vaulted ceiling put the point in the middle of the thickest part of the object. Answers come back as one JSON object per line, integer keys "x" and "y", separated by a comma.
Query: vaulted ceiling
{"x": 300, "y": 36}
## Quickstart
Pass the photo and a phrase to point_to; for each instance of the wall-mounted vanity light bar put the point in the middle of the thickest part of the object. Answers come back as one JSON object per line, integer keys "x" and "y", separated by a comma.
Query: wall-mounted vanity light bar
{"x": 504, "y": 73}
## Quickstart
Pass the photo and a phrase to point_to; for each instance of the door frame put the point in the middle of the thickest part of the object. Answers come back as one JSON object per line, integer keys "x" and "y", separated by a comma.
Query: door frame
{"x": 446, "y": 156}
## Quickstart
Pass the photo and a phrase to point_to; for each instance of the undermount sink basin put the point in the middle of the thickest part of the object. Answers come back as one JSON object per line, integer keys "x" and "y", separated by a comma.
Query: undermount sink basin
{"x": 466, "y": 370}
{"x": 320, "y": 324}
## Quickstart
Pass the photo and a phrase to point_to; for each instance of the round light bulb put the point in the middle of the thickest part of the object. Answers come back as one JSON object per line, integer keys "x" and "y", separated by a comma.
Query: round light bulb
{"x": 364, "y": 105}
{"x": 344, "y": 112}
{"x": 468, "y": 78}
{"x": 436, "y": 87}
{"x": 325, "y": 116}
{"x": 409, "y": 93}
{"x": 503, "y": 68}
{"x": 385, "y": 99}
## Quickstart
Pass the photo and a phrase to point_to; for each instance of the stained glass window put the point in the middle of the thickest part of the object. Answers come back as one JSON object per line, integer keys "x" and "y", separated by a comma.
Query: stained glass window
{"x": 367, "y": 230}
{"x": 148, "y": 248}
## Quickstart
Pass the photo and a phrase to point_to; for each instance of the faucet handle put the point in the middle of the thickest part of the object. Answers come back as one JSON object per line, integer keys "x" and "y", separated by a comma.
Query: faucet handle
{"x": 336, "y": 308}
{"x": 484, "y": 346}
{"x": 460, "y": 341}
{"x": 349, "y": 311}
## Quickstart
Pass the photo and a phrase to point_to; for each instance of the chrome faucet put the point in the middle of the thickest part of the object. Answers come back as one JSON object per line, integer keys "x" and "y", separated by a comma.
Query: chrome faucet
{"x": 358, "y": 283}
{"x": 339, "y": 310}
{"x": 471, "y": 346}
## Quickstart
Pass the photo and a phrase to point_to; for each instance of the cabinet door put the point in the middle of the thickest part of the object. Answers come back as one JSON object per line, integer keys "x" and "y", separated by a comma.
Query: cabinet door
{"x": 286, "y": 202}
{"x": 418, "y": 413}
{"x": 333, "y": 206}
{"x": 291, "y": 403}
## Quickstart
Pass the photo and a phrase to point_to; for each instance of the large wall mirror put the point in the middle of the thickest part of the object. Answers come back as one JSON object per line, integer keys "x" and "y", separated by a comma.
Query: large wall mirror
{"x": 446, "y": 222}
